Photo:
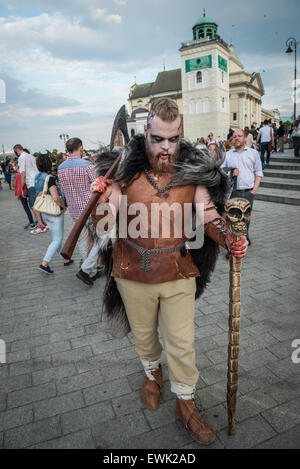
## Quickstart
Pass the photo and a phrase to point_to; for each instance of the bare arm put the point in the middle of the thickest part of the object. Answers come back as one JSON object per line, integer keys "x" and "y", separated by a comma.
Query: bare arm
{"x": 256, "y": 184}
{"x": 55, "y": 196}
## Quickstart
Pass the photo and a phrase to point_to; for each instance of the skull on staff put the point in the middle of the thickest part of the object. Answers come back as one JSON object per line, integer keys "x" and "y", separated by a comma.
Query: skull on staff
{"x": 238, "y": 212}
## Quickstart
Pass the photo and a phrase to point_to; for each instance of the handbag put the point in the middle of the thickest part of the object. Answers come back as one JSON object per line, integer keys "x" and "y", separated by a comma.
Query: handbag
{"x": 44, "y": 202}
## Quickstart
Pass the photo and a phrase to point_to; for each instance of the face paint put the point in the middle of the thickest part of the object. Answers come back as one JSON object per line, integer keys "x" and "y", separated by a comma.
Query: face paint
{"x": 162, "y": 143}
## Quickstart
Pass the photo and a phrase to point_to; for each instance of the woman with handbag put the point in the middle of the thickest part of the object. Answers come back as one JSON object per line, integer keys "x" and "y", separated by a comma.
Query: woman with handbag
{"x": 51, "y": 205}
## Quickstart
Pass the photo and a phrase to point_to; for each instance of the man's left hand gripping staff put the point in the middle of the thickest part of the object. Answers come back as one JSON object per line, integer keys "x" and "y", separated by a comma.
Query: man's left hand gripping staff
{"x": 239, "y": 248}
{"x": 101, "y": 184}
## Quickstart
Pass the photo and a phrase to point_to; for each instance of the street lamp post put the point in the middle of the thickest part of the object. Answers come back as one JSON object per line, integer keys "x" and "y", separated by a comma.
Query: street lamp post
{"x": 64, "y": 137}
{"x": 291, "y": 42}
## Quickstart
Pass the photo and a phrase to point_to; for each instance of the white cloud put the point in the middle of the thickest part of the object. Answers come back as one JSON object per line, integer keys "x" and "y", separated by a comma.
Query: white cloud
{"x": 114, "y": 18}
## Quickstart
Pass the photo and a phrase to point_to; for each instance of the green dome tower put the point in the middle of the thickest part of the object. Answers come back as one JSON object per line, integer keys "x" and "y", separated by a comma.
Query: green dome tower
{"x": 205, "y": 28}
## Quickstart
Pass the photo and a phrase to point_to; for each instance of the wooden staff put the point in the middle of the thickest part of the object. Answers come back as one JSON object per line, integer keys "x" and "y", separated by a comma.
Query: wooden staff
{"x": 238, "y": 228}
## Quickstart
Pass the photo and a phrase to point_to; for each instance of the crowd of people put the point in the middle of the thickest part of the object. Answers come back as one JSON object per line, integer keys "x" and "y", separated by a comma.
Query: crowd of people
{"x": 266, "y": 138}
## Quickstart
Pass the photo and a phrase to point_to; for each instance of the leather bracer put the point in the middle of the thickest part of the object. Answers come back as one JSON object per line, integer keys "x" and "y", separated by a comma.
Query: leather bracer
{"x": 217, "y": 231}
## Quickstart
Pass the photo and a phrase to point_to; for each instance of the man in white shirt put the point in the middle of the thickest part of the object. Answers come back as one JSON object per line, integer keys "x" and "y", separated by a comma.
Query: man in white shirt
{"x": 266, "y": 138}
{"x": 28, "y": 170}
{"x": 249, "y": 169}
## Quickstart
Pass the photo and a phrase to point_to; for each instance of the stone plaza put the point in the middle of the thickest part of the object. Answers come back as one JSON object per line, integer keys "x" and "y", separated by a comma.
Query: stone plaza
{"x": 67, "y": 383}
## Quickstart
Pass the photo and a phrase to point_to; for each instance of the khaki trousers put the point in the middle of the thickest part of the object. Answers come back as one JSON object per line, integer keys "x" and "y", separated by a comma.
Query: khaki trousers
{"x": 169, "y": 306}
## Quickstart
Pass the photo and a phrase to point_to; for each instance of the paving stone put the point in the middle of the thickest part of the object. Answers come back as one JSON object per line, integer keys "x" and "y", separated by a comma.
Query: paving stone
{"x": 116, "y": 433}
{"x": 67, "y": 334}
{"x": 50, "y": 349}
{"x": 287, "y": 440}
{"x": 86, "y": 417}
{"x": 71, "y": 356}
{"x": 165, "y": 413}
{"x": 32, "y": 394}
{"x": 16, "y": 382}
{"x": 284, "y": 416}
{"x": 248, "y": 434}
{"x": 29, "y": 366}
{"x": 31, "y": 434}
{"x": 118, "y": 370}
{"x": 29, "y": 343}
{"x": 77, "y": 440}
{"x": 58, "y": 405}
{"x": 81, "y": 381}
{"x": 171, "y": 436}
{"x": 3, "y": 401}
{"x": 16, "y": 417}
{"x": 127, "y": 404}
{"x": 106, "y": 391}
{"x": 53, "y": 374}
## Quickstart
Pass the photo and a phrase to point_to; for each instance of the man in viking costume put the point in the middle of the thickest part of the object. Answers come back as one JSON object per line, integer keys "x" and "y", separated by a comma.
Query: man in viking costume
{"x": 153, "y": 280}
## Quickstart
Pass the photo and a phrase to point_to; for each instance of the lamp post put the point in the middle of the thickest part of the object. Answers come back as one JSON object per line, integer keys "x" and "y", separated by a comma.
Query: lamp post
{"x": 290, "y": 43}
{"x": 64, "y": 137}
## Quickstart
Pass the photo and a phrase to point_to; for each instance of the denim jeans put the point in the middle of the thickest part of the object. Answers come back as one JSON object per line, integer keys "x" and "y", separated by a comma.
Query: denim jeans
{"x": 264, "y": 148}
{"x": 56, "y": 227}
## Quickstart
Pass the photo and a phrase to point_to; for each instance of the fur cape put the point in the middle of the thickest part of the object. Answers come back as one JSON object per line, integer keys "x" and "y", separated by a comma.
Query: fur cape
{"x": 193, "y": 166}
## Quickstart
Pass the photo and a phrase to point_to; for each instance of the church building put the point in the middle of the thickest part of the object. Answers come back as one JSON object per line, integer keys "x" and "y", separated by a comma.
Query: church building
{"x": 212, "y": 89}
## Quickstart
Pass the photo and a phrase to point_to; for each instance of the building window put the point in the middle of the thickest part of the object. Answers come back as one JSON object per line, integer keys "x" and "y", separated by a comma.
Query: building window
{"x": 199, "y": 77}
{"x": 223, "y": 103}
{"x": 234, "y": 116}
{"x": 192, "y": 106}
{"x": 222, "y": 77}
{"x": 140, "y": 103}
{"x": 132, "y": 132}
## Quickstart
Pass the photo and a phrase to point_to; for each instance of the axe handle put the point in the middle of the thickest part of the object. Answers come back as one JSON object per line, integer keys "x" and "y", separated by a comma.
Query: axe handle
{"x": 72, "y": 239}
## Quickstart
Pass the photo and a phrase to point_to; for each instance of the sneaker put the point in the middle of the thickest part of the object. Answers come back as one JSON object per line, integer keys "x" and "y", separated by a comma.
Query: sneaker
{"x": 85, "y": 278}
{"x": 45, "y": 226}
{"x": 38, "y": 230}
{"x": 29, "y": 225}
{"x": 68, "y": 263}
{"x": 47, "y": 269}
{"x": 100, "y": 272}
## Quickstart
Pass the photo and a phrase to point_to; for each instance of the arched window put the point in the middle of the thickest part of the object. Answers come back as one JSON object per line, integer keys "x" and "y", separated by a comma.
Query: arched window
{"x": 206, "y": 105}
{"x": 192, "y": 106}
{"x": 132, "y": 132}
{"x": 140, "y": 103}
{"x": 209, "y": 33}
{"x": 201, "y": 33}
{"x": 199, "y": 106}
{"x": 199, "y": 77}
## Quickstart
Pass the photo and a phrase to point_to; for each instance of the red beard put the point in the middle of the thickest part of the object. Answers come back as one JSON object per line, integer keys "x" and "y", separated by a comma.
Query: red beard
{"x": 161, "y": 162}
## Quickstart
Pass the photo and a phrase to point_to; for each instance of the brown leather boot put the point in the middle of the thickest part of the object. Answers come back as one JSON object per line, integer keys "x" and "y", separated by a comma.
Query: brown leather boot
{"x": 198, "y": 428}
{"x": 150, "y": 393}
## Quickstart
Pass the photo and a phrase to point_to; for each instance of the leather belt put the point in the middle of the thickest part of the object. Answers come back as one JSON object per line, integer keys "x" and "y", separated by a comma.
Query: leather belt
{"x": 145, "y": 253}
{"x": 244, "y": 190}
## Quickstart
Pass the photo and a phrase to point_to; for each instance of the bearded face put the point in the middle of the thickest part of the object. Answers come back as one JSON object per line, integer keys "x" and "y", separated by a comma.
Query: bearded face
{"x": 162, "y": 143}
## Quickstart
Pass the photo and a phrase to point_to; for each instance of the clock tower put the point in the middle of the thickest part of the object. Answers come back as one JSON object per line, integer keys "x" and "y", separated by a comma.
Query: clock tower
{"x": 205, "y": 82}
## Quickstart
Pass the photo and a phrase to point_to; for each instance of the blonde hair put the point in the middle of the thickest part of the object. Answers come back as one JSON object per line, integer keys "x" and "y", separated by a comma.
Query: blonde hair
{"x": 164, "y": 108}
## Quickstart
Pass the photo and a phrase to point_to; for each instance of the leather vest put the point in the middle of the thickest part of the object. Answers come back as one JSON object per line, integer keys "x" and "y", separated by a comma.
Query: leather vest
{"x": 164, "y": 266}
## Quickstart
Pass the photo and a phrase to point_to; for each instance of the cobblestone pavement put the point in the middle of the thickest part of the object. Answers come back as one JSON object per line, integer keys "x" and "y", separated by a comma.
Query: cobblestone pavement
{"x": 68, "y": 384}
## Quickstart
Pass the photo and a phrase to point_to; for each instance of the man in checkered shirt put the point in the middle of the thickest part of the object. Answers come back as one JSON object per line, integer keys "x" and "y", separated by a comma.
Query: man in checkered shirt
{"x": 75, "y": 176}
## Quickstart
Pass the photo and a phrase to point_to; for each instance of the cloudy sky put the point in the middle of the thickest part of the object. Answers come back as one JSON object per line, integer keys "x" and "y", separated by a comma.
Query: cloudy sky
{"x": 68, "y": 64}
